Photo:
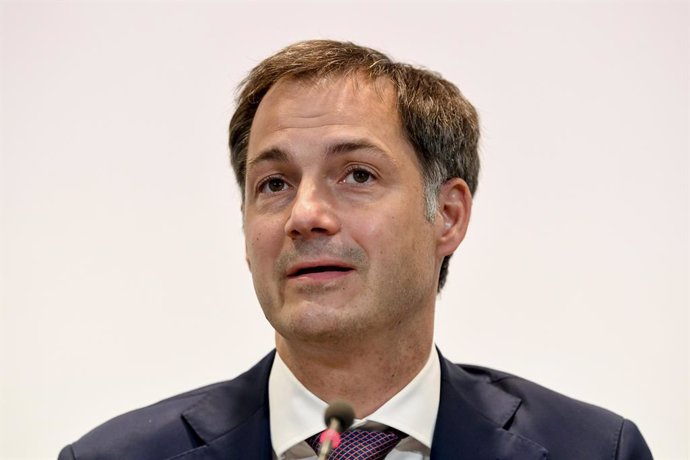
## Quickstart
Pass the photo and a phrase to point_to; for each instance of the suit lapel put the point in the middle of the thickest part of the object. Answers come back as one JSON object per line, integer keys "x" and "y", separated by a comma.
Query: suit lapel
{"x": 472, "y": 418}
{"x": 232, "y": 420}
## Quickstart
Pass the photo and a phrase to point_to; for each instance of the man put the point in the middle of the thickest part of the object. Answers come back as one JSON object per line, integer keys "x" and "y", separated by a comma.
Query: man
{"x": 357, "y": 177}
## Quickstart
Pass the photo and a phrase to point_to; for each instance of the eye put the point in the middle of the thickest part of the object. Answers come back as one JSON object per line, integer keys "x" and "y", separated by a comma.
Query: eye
{"x": 358, "y": 175}
{"x": 272, "y": 185}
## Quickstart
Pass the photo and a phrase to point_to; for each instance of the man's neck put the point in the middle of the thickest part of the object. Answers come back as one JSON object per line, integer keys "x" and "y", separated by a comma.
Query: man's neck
{"x": 367, "y": 372}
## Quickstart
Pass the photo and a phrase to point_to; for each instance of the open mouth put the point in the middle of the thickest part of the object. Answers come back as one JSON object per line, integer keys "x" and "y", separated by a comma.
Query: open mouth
{"x": 320, "y": 269}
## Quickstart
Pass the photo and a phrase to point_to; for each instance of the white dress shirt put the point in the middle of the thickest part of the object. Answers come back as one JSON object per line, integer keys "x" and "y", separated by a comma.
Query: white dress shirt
{"x": 296, "y": 413}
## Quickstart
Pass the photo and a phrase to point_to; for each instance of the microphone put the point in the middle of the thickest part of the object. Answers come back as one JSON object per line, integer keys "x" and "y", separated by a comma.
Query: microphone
{"x": 338, "y": 417}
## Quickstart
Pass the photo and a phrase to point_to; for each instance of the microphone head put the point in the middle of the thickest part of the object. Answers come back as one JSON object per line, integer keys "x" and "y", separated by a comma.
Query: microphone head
{"x": 341, "y": 411}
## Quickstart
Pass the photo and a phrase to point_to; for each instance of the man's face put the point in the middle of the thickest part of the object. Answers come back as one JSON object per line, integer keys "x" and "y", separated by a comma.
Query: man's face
{"x": 336, "y": 236}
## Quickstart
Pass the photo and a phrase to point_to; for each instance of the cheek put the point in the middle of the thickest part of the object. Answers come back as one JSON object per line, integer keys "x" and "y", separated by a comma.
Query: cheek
{"x": 380, "y": 233}
{"x": 258, "y": 243}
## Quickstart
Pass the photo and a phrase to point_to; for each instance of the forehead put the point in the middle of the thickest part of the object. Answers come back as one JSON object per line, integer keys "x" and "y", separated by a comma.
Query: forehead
{"x": 347, "y": 102}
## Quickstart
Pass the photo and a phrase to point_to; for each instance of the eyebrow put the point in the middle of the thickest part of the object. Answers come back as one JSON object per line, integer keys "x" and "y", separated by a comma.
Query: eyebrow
{"x": 278, "y": 155}
{"x": 272, "y": 154}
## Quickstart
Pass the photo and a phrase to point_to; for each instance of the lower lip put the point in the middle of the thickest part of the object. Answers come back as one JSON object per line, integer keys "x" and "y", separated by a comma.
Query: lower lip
{"x": 320, "y": 276}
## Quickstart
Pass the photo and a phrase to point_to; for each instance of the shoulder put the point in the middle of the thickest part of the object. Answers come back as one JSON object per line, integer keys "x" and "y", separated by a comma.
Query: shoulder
{"x": 134, "y": 435}
{"x": 567, "y": 427}
{"x": 538, "y": 400}
{"x": 177, "y": 424}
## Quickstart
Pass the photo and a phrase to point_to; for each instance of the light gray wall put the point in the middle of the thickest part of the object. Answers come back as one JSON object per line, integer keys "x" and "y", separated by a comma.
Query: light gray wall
{"x": 123, "y": 276}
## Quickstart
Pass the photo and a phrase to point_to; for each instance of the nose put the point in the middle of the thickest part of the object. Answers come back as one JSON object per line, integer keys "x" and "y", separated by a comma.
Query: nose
{"x": 312, "y": 213}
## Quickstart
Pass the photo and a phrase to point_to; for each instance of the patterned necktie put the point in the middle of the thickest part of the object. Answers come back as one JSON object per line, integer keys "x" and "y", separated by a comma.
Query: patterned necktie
{"x": 361, "y": 444}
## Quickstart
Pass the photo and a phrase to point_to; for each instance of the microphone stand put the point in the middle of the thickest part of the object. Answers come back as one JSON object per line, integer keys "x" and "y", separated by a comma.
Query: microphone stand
{"x": 332, "y": 433}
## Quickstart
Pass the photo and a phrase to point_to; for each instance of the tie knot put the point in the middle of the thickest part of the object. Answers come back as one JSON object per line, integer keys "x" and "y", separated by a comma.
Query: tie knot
{"x": 360, "y": 444}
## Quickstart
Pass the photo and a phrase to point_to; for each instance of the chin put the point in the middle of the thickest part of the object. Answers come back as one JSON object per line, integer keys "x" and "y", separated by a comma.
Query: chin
{"x": 316, "y": 323}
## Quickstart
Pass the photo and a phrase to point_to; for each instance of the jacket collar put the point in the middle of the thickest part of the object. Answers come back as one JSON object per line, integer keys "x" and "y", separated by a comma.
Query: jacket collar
{"x": 472, "y": 420}
{"x": 232, "y": 419}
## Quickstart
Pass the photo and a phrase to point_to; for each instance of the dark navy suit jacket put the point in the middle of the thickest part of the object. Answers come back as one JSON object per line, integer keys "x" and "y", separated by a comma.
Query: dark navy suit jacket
{"x": 483, "y": 415}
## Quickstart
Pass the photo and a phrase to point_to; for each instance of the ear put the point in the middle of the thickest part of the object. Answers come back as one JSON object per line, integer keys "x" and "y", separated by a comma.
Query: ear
{"x": 452, "y": 215}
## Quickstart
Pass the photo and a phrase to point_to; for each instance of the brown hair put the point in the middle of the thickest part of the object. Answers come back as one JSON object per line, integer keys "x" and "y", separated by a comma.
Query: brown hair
{"x": 441, "y": 125}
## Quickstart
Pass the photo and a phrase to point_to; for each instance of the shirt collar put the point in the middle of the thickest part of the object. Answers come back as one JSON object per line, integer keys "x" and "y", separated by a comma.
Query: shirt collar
{"x": 296, "y": 413}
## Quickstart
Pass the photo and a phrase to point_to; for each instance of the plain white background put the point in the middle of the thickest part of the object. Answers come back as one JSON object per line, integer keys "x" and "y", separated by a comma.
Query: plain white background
{"x": 123, "y": 275}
